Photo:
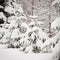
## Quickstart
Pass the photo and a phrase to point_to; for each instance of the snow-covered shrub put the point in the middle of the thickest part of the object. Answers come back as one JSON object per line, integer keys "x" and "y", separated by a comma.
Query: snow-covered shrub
{"x": 56, "y": 52}
{"x": 37, "y": 36}
{"x": 35, "y": 40}
{"x": 12, "y": 28}
{"x": 17, "y": 36}
{"x": 50, "y": 44}
{"x": 28, "y": 40}
{"x": 54, "y": 40}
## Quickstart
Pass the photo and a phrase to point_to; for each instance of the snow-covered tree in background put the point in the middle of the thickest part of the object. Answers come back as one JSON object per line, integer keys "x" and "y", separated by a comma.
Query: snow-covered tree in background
{"x": 56, "y": 28}
{"x": 55, "y": 25}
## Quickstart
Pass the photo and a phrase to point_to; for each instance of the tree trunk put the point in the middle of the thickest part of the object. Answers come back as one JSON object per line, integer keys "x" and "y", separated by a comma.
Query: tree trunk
{"x": 32, "y": 7}
{"x": 49, "y": 16}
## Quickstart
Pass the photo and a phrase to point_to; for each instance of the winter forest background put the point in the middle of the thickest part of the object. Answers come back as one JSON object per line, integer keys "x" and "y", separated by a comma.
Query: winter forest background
{"x": 31, "y": 26}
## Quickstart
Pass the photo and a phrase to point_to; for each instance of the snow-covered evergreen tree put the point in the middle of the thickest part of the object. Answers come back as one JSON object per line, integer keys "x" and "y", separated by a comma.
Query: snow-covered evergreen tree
{"x": 11, "y": 24}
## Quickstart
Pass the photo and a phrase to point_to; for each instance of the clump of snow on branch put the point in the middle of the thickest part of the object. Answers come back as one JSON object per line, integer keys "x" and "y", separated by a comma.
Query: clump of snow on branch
{"x": 55, "y": 1}
{"x": 56, "y": 24}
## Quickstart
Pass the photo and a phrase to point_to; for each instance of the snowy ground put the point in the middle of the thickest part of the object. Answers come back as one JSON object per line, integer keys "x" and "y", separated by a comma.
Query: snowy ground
{"x": 15, "y": 54}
